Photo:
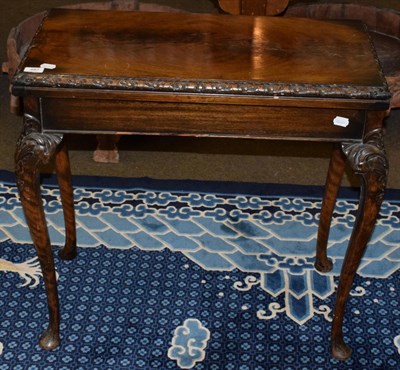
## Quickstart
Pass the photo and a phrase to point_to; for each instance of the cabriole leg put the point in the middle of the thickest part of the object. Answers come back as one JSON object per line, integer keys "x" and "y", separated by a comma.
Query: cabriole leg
{"x": 368, "y": 160}
{"x": 33, "y": 150}
{"x": 67, "y": 198}
{"x": 333, "y": 180}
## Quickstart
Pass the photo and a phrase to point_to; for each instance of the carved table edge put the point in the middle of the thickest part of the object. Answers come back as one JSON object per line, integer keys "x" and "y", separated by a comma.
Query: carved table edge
{"x": 261, "y": 88}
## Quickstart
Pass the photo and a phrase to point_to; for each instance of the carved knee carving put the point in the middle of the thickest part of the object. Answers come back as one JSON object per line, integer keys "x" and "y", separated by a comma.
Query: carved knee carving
{"x": 34, "y": 148}
{"x": 369, "y": 160}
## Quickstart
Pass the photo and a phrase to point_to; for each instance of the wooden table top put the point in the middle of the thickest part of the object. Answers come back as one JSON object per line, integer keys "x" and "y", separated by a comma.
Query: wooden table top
{"x": 203, "y": 53}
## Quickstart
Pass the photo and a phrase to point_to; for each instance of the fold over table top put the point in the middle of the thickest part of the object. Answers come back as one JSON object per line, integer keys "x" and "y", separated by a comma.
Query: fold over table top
{"x": 202, "y": 54}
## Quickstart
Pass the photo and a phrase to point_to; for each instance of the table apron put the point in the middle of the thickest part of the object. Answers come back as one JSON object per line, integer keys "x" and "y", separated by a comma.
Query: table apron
{"x": 169, "y": 118}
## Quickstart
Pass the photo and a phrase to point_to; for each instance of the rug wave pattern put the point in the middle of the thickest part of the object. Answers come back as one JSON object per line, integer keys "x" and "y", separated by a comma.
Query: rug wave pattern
{"x": 256, "y": 252}
{"x": 273, "y": 238}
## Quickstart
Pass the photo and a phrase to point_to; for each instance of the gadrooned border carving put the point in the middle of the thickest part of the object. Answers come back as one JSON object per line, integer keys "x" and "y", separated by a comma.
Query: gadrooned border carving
{"x": 260, "y": 88}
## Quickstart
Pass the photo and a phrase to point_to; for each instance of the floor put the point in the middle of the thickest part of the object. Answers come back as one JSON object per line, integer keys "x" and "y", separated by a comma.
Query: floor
{"x": 185, "y": 158}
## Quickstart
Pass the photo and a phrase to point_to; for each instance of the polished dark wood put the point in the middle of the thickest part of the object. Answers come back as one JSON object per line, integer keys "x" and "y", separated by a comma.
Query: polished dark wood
{"x": 382, "y": 22}
{"x": 203, "y": 53}
{"x": 202, "y": 75}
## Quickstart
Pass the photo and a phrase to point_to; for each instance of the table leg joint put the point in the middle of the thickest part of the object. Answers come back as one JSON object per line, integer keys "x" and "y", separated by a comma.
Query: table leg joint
{"x": 369, "y": 160}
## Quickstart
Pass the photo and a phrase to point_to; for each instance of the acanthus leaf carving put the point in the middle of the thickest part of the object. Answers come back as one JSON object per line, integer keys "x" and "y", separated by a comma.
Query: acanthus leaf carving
{"x": 34, "y": 148}
{"x": 369, "y": 160}
{"x": 258, "y": 88}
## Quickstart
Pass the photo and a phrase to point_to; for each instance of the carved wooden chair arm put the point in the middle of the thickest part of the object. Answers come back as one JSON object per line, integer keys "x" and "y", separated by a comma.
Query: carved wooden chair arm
{"x": 254, "y": 7}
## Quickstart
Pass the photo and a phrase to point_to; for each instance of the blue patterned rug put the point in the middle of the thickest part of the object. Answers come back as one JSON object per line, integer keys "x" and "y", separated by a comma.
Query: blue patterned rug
{"x": 197, "y": 275}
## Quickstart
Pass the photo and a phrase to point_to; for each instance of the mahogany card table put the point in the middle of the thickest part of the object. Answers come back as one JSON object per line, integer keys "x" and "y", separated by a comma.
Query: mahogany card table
{"x": 109, "y": 72}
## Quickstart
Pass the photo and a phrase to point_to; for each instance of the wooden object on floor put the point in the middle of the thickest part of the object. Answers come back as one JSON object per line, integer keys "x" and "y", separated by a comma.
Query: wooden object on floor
{"x": 244, "y": 77}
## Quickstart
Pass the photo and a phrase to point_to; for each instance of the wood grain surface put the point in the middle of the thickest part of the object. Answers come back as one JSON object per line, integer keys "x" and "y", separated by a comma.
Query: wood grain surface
{"x": 204, "y": 47}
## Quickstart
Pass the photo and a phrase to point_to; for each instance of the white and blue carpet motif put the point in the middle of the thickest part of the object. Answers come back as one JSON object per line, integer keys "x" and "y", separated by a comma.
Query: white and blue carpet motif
{"x": 197, "y": 275}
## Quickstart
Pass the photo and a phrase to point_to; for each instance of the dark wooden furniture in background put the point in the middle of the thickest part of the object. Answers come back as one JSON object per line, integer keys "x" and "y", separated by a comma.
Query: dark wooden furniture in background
{"x": 254, "y": 7}
{"x": 202, "y": 75}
